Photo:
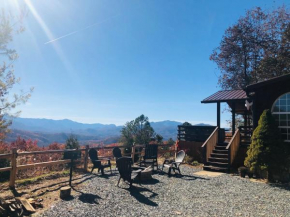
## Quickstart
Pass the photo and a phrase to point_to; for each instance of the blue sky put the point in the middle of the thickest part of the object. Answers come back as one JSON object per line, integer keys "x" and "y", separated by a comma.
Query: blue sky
{"x": 121, "y": 59}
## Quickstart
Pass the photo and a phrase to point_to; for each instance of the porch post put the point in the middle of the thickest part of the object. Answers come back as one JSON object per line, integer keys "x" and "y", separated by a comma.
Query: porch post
{"x": 254, "y": 116}
{"x": 233, "y": 118}
{"x": 218, "y": 115}
{"x": 245, "y": 119}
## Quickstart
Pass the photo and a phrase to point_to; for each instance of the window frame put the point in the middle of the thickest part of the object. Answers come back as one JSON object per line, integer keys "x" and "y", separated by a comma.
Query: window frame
{"x": 280, "y": 113}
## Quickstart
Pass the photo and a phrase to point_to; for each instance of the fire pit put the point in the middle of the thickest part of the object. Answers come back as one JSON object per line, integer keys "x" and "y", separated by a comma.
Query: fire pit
{"x": 146, "y": 174}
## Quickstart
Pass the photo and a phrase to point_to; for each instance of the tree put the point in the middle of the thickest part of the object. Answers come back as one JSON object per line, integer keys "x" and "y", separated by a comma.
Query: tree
{"x": 277, "y": 64}
{"x": 9, "y": 26}
{"x": 72, "y": 142}
{"x": 138, "y": 131}
{"x": 186, "y": 124}
{"x": 159, "y": 138}
{"x": 256, "y": 37}
{"x": 170, "y": 141}
{"x": 267, "y": 151}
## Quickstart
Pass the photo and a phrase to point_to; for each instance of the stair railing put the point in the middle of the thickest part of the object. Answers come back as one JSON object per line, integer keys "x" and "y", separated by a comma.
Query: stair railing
{"x": 209, "y": 145}
{"x": 233, "y": 147}
{"x": 246, "y": 133}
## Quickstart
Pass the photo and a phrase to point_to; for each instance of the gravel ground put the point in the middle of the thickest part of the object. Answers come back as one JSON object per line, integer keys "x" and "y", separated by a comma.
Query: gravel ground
{"x": 189, "y": 195}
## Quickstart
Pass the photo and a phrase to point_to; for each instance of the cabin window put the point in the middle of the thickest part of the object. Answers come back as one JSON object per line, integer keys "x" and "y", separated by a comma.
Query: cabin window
{"x": 281, "y": 112}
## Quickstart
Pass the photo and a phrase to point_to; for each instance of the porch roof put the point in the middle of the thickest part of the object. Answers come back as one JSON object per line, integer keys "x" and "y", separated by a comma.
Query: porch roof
{"x": 226, "y": 96}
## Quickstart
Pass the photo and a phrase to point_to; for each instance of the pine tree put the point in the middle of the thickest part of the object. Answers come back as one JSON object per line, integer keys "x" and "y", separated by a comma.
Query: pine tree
{"x": 267, "y": 151}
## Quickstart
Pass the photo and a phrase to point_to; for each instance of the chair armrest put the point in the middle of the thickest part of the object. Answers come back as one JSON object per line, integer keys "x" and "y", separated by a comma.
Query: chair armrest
{"x": 137, "y": 171}
{"x": 166, "y": 162}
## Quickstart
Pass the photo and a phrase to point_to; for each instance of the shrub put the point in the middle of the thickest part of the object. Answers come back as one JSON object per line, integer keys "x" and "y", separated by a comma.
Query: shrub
{"x": 4, "y": 148}
{"x": 267, "y": 152}
{"x": 195, "y": 163}
{"x": 72, "y": 142}
{"x": 188, "y": 159}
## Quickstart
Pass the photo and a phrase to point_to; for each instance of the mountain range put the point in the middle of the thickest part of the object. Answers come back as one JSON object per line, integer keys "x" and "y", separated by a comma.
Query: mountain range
{"x": 47, "y": 131}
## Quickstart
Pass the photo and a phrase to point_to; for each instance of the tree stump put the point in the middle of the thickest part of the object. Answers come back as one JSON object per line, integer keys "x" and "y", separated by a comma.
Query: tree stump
{"x": 65, "y": 192}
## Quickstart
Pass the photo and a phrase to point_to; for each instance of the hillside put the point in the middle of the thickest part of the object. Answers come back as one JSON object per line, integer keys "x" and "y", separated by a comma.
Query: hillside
{"x": 47, "y": 131}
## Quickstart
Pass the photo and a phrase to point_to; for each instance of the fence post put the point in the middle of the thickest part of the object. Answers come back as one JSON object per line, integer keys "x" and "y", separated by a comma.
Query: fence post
{"x": 14, "y": 168}
{"x": 133, "y": 152}
{"x": 86, "y": 158}
{"x": 175, "y": 149}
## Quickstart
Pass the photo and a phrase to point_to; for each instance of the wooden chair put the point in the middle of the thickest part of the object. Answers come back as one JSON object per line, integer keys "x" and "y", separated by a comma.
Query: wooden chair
{"x": 97, "y": 163}
{"x": 174, "y": 165}
{"x": 150, "y": 157}
{"x": 124, "y": 165}
{"x": 117, "y": 153}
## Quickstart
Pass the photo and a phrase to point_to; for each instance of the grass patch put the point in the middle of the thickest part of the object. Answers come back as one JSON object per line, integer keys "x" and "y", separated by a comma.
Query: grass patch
{"x": 52, "y": 175}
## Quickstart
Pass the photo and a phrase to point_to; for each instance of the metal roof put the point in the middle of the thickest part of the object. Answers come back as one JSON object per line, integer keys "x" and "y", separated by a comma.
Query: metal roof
{"x": 225, "y": 96}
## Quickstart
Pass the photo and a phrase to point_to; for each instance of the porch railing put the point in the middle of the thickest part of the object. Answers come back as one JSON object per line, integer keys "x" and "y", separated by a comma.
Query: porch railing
{"x": 246, "y": 134}
{"x": 233, "y": 147}
{"x": 209, "y": 145}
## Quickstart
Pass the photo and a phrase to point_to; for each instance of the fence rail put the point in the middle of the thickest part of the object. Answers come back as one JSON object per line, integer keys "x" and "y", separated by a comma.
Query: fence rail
{"x": 233, "y": 146}
{"x": 15, "y": 167}
{"x": 209, "y": 145}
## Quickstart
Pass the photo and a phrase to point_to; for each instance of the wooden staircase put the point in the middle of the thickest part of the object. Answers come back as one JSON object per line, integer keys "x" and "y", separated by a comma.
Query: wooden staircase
{"x": 219, "y": 159}
{"x": 219, "y": 156}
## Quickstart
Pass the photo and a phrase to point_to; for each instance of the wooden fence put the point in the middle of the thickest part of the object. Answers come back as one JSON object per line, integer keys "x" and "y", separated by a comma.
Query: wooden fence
{"x": 14, "y": 167}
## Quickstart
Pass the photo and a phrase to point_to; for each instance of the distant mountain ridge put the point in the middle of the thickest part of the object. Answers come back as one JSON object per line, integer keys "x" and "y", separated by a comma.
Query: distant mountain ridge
{"x": 47, "y": 131}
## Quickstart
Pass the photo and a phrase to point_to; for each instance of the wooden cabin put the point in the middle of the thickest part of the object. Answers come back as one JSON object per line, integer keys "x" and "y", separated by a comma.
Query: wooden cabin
{"x": 220, "y": 154}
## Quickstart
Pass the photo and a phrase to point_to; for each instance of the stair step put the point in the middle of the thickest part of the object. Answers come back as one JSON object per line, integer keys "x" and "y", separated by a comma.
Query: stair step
{"x": 220, "y": 151}
{"x": 218, "y": 155}
{"x": 217, "y": 159}
{"x": 220, "y": 147}
{"x": 217, "y": 164}
{"x": 222, "y": 144}
{"x": 216, "y": 169}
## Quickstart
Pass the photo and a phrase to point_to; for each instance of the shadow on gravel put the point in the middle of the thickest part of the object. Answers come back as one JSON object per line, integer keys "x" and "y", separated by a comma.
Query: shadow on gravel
{"x": 82, "y": 179}
{"x": 105, "y": 176}
{"x": 88, "y": 198}
{"x": 68, "y": 198}
{"x": 188, "y": 177}
{"x": 181, "y": 176}
{"x": 137, "y": 193}
{"x": 280, "y": 185}
{"x": 149, "y": 182}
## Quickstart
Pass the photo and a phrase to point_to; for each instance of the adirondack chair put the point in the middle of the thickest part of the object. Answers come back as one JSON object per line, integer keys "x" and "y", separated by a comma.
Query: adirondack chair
{"x": 174, "y": 165}
{"x": 150, "y": 157}
{"x": 97, "y": 163}
{"x": 117, "y": 153}
{"x": 124, "y": 165}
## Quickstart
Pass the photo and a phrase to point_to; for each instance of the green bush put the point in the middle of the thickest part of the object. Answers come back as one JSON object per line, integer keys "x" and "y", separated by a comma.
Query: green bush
{"x": 267, "y": 152}
{"x": 195, "y": 163}
{"x": 188, "y": 159}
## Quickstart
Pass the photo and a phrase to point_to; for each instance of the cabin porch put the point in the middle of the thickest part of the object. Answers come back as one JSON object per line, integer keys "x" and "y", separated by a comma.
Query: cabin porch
{"x": 225, "y": 150}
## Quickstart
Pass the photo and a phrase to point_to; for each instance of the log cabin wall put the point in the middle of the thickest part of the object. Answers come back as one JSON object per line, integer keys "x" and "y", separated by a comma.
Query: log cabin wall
{"x": 266, "y": 95}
